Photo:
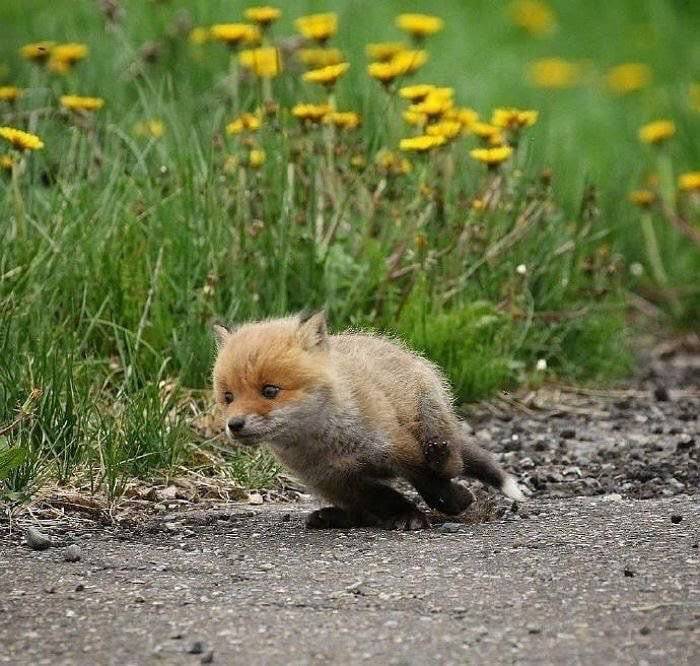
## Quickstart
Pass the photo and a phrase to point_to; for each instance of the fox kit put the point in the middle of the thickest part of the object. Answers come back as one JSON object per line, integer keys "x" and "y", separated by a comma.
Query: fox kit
{"x": 348, "y": 413}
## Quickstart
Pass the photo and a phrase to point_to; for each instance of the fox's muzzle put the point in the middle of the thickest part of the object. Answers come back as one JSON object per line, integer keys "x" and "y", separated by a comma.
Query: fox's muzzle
{"x": 238, "y": 428}
{"x": 236, "y": 424}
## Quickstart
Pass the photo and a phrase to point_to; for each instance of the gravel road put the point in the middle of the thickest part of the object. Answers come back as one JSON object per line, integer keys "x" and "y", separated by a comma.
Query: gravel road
{"x": 600, "y": 566}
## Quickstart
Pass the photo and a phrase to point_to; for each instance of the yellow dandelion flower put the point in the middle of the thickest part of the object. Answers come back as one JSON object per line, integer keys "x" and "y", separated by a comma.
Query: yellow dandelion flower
{"x": 263, "y": 16}
{"x": 403, "y": 63}
{"x": 694, "y": 96}
{"x": 77, "y": 103}
{"x": 422, "y": 144}
{"x": 317, "y": 58}
{"x": 318, "y": 27}
{"x": 264, "y": 62}
{"x": 419, "y": 26}
{"x": 10, "y": 93}
{"x": 414, "y": 118}
{"x": 434, "y": 105}
{"x": 628, "y": 77}
{"x": 513, "y": 119}
{"x": 6, "y": 162}
{"x": 488, "y": 133}
{"x": 491, "y": 156}
{"x": 447, "y": 93}
{"x": 384, "y": 72}
{"x": 450, "y": 129}
{"x": 554, "y": 73}
{"x": 657, "y": 132}
{"x": 37, "y": 51}
{"x": 327, "y": 76}
{"x": 346, "y": 120}
{"x": 485, "y": 130}
{"x": 689, "y": 182}
{"x": 313, "y": 113}
{"x": 21, "y": 140}
{"x": 392, "y": 163}
{"x": 464, "y": 115}
{"x": 235, "y": 34}
{"x": 152, "y": 127}
{"x": 70, "y": 53}
{"x": 246, "y": 122}
{"x": 416, "y": 93}
{"x": 256, "y": 158}
{"x": 409, "y": 61}
{"x": 66, "y": 55}
{"x": 478, "y": 204}
{"x": 199, "y": 35}
{"x": 642, "y": 198}
{"x": 384, "y": 51}
{"x": 534, "y": 16}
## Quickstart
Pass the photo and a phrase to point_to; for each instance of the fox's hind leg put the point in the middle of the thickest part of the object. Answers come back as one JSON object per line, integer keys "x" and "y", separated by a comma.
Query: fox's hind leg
{"x": 433, "y": 482}
{"x": 439, "y": 434}
{"x": 448, "y": 452}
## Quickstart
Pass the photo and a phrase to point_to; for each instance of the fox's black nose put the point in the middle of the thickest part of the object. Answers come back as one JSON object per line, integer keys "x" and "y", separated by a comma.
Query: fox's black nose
{"x": 236, "y": 423}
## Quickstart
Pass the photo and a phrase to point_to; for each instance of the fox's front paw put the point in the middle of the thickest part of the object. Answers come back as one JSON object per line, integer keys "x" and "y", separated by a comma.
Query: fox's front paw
{"x": 413, "y": 519}
{"x": 330, "y": 517}
{"x": 436, "y": 452}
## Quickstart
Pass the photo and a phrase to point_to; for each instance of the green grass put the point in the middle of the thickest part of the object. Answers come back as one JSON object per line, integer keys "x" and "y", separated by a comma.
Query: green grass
{"x": 118, "y": 251}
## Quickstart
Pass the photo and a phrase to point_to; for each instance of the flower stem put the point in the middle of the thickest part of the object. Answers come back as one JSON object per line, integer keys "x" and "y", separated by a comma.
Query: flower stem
{"x": 664, "y": 167}
{"x": 18, "y": 201}
{"x": 235, "y": 82}
{"x": 652, "y": 247}
{"x": 654, "y": 255}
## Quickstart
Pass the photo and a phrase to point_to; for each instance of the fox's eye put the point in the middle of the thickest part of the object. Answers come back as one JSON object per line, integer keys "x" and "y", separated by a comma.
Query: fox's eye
{"x": 270, "y": 391}
{"x": 228, "y": 397}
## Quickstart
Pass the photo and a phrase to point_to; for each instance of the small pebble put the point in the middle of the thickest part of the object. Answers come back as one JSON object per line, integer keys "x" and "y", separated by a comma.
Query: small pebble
{"x": 72, "y": 553}
{"x": 645, "y": 631}
{"x": 197, "y": 647}
{"x": 79, "y": 587}
{"x": 629, "y": 573}
{"x": 533, "y": 629}
{"x": 568, "y": 433}
{"x": 36, "y": 540}
{"x": 675, "y": 519}
{"x": 255, "y": 498}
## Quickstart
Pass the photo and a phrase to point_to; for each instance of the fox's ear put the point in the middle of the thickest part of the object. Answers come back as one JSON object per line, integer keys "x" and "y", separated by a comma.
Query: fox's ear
{"x": 221, "y": 334}
{"x": 312, "y": 329}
